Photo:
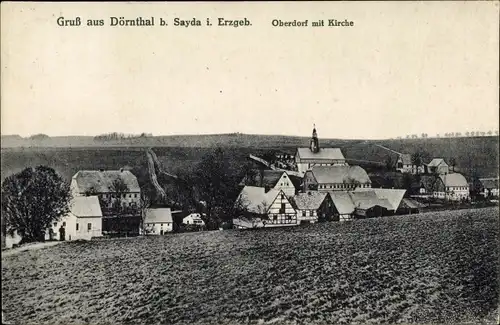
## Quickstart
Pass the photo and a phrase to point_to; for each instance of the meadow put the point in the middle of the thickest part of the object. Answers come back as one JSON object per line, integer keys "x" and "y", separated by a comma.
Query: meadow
{"x": 435, "y": 268}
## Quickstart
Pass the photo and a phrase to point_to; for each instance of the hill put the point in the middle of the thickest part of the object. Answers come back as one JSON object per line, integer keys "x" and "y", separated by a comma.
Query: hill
{"x": 179, "y": 154}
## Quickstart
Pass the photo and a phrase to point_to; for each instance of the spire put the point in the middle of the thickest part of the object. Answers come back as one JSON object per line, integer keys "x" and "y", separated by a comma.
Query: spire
{"x": 314, "y": 140}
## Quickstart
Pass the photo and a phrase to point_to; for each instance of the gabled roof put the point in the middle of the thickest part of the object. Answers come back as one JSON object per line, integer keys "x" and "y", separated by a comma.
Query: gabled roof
{"x": 255, "y": 200}
{"x": 340, "y": 174}
{"x": 368, "y": 199}
{"x": 263, "y": 178}
{"x": 85, "y": 206}
{"x": 342, "y": 201}
{"x": 311, "y": 200}
{"x": 436, "y": 162}
{"x": 454, "y": 179}
{"x": 296, "y": 181}
{"x": 489, "y": 183}
{"x": 159, "y": 215}
{"x": 406, "y": 158}
{"x": 102, "y": 181}
{"x": 323, "y": 154}
{"x": 411, "y": 204}
{"x": 393, "y": 196}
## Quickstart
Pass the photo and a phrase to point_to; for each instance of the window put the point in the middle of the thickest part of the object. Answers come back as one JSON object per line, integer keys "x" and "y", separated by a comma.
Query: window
{"x": 161, "y": 225}
{"x": 64, "y": 224}
{"x": 77, "y": 226}
{"x": 89, "y": 226}
{"x": 55, "y": 224}
{"x": 304, "y": 213}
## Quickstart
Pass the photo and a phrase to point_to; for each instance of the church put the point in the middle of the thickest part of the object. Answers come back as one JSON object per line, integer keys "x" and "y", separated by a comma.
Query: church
{"x": 306, "y": 158}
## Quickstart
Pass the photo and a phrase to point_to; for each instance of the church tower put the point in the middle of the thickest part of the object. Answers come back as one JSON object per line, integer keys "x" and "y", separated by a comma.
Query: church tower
{"x": 314, "y": 146}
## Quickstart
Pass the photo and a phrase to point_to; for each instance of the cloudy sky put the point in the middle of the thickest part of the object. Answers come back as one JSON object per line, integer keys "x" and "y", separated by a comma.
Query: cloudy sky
{"x": 402, "y": 68}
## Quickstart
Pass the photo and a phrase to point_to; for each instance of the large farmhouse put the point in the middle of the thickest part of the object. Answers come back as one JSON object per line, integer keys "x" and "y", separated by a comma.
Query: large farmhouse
{"x": 451, "y": 187}
{"x": 438, "y": 166}
{"x": 119, "y": 196}
{"x": 335, "y": 178}
{"x": 306, "y": 158}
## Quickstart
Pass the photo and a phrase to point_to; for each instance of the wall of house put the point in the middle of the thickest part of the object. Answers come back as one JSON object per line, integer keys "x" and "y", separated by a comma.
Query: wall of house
{"x": 74, "y": 232}
{"x": 286, "y": 185}
{"x": 158, "y": 228}
{"x": 193, "y": 220}
{"x": 450, "y": 193}
{"x": 280, "y": 216}
{"x": 303, "y": 166}
{"x": 345, "y": 217}
{"x": 307, "y": 215}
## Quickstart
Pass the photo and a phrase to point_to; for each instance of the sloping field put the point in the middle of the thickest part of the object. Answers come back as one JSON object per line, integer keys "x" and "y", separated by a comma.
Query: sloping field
{"x": 432, "y": 268}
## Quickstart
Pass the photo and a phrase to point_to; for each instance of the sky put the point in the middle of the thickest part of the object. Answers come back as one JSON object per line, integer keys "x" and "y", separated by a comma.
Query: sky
{"x": 403, "y": 68}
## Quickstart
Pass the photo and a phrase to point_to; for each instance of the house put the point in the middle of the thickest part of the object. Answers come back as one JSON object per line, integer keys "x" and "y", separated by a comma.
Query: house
{"x": 306, "y": 158}
{"x": 273, "y": 206}
{"x": 404, "y": 164}
{"x": 158, "y": 221}
{"x": 114, "y": 188}
{"x": 193, "y": 219}
{"x": 368, "y": 205}
{"x": 438, "y": 166}
{"x": 270, "y": 179}
{"x": 335, "y": 178}
{"x": 84, "y": 221}
{"x": 451, "y": 187}
{"x": 488, "y": 187}
{"x": 247, "y": 223}
{"x": 344, "y": 206}
{"x": 409, "y": 206}
{"x": 313, "y": 205}
{"x": 393, "y": 196}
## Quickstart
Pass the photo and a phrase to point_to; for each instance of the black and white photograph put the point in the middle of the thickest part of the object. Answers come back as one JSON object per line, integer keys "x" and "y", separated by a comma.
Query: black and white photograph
{"x": 250, "y": 162}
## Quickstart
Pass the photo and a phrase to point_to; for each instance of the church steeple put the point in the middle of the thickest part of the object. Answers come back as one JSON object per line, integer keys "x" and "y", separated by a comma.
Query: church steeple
{"x": 314, "y": 140}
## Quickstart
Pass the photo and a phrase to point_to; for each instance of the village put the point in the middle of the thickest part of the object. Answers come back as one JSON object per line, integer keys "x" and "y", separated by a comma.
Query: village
{"x": 313, "y": 185}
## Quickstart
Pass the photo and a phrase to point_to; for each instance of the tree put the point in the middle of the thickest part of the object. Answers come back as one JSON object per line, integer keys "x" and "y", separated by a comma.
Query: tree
{"x": 490, "y": 132}
{"x": 467, "y": 134}
{"x": 389, "y": 163}
{"x": 215, "y": 187}
{"x": 145, "y": 205}
{"x": 418, "y": 158}
{"x": 453, "y": 163}
{"x": 32, "y": 201}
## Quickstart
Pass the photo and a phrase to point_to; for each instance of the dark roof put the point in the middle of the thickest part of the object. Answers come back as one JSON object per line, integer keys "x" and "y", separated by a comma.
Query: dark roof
{"x": 263, "y": 178}
{"x": 102, "y": 181}
{"x": 296, "y": 181}
{"x": 311, "y": 200}
{"x": 340, "y": 174}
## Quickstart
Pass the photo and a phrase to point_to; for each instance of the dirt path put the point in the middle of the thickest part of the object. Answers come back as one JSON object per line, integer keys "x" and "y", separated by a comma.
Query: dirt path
{"x": 29, "y": 247}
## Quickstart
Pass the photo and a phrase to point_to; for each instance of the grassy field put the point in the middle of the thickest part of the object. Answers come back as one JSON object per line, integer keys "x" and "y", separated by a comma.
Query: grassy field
{"x": 429, "y": 268}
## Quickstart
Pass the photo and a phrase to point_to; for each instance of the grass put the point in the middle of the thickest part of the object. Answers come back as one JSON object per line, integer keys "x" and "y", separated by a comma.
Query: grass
{"x": 431, "y": 268}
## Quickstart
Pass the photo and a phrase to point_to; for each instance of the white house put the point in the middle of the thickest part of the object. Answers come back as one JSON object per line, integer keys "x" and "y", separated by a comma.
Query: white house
{"x": 343, "y": 205}
{"x": 405, "y": 165}
{"x": 306, "y": 158}
{"x": 193, "y": 219}
{"x": 84, "y": 221}
{"x": 393, "y": 196}
{"x": 438, "y": 166}
{"x": 158, "y": 221}
{"x": 452, "y": 187}
{"x": 270, "y": 179}
{"x": 488, "y": 186}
